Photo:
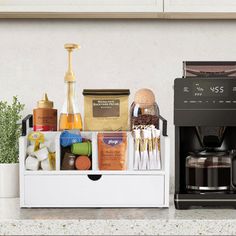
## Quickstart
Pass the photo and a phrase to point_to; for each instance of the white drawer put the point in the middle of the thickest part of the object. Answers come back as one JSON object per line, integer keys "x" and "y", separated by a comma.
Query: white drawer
{"x": 80, "y": 191}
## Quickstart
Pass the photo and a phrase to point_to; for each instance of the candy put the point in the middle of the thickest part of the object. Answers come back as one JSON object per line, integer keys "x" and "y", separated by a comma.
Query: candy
{"x": 36, "y": 138}
{"x": 48, "y": 164}
{"x": 42, "y": 154}
{"x": 49, "y": 144}
{"x": 31, "y": 163}
{"x": 30, "y": 150}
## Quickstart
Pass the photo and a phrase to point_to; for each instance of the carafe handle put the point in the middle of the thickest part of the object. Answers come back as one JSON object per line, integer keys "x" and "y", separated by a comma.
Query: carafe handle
{"x": 232, "y": 172}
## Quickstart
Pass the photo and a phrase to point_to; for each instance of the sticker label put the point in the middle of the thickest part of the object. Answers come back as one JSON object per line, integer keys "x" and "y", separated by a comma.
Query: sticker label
{"x": 106, "y": 108}
{"x": 113, "y": 141}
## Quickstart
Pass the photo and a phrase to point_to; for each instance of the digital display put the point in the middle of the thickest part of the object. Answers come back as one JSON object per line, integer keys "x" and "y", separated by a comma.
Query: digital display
{"x": 210, "y": 89}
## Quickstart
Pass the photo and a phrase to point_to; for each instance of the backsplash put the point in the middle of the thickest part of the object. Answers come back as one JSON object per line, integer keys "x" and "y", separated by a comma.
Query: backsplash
{"x": 114, "y": 54}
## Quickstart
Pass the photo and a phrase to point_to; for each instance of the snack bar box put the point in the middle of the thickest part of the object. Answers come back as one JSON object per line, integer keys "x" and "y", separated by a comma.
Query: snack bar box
{"x": 94, "y": 188}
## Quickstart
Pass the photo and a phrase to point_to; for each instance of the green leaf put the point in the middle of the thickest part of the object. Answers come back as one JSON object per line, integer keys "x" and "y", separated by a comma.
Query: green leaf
{"x": 10, "y": 130}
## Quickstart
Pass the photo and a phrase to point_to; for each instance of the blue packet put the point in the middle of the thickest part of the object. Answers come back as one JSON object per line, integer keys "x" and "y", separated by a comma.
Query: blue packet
{"x": 67, "y": 139}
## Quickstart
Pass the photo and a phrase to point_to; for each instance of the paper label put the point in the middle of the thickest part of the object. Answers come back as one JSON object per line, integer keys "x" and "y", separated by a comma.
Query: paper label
{"x": 106, "y": 108}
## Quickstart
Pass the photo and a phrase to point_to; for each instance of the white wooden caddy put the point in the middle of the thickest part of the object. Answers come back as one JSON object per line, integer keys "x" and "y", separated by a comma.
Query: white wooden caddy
{"x": 93, "y": 188}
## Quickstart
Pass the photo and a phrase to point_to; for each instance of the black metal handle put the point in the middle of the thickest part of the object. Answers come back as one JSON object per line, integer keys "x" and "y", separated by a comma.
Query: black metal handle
{"x": 24, "y": 124}
{"x": 232, "y": 174}
{"x": 164, "y": 127}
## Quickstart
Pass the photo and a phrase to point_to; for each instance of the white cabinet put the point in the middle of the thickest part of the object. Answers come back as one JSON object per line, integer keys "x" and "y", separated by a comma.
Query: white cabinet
{"x": 81, "y": 6}
{"x": 195, "y": 9}
{"x": 200, "y": 6}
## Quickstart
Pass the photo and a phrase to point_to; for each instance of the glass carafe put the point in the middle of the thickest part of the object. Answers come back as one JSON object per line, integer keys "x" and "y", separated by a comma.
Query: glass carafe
{"x": 209, "y": 171}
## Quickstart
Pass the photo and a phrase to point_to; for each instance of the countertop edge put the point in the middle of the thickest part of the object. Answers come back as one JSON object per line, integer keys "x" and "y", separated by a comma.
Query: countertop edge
{"x": 118, "y": 227}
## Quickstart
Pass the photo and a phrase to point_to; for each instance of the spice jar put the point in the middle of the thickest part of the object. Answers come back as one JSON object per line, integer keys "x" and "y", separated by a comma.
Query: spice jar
{"x": 144, "y": 110}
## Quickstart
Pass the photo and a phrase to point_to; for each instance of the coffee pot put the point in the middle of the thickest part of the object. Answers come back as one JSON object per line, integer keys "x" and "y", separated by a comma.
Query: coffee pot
{"x": 210, "y": 170}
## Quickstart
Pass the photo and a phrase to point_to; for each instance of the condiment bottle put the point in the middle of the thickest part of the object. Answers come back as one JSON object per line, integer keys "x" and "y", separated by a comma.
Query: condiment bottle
{"x": 45, "y": 117}
{"x": 70, "y": 117}
{"x": 144, "y": 110}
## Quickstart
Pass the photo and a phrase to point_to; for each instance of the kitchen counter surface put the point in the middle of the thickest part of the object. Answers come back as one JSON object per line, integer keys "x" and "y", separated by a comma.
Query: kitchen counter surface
{"x": 16, "y": 221}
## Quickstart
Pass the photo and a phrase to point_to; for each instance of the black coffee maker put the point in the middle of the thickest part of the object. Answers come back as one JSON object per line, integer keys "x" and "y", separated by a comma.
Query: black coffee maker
{"x": 205, "y": 142}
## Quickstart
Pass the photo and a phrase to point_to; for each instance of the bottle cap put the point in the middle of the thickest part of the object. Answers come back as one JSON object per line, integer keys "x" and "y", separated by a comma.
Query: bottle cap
{"x": 45, "y": 103}
{"x": 69, "y": 76}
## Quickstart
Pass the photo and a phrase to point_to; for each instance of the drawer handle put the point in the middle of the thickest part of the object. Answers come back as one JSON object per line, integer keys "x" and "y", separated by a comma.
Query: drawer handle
{"x": 94, "y": 177}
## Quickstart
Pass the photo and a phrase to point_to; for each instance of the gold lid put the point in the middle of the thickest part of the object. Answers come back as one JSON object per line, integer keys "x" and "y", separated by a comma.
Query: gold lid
{"x": 69, "y": 76}
{"x": 45, "y": 103}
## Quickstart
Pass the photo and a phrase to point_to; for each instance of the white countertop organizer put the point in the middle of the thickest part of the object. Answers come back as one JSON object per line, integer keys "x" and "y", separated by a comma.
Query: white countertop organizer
{"x": 94, "y": 188}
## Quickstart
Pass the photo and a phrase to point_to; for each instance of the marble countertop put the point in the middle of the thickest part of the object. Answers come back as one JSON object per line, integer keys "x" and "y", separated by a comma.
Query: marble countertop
{"x": 16, "y": 221}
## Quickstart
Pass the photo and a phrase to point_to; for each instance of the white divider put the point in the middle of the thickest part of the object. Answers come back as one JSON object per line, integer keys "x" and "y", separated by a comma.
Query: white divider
{"x": 58, "y": 152}
{"x": 130, "y": 152}
{"x": 94, "y": 152}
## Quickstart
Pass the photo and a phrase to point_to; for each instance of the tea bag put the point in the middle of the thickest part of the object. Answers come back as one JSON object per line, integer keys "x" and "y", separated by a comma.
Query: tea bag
{"x": 151, "y": 150}
{"x": 154, "y": 147}
{"x": 144, "y": 150}
{"x": 157, "y": 146}
{"x": 137, "y": 138}
{"x": 112, "y": 151}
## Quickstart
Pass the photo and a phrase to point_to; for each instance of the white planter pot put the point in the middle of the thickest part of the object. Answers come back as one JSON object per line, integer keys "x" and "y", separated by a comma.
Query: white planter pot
{"x": 9, "y": 180}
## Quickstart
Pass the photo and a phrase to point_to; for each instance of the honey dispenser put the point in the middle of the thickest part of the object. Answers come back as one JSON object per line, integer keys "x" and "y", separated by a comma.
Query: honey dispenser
{"x": 70, "y": 117}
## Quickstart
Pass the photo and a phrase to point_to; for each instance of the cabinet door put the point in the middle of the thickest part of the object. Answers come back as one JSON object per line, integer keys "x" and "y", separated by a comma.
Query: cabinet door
{"x": 200, "y": 6}
{"x": 82, "y": 6}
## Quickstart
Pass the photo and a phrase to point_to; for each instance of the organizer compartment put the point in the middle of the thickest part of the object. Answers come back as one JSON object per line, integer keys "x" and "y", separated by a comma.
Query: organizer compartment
{"x": 24, "y": 143}
{"x": 93, "y": 137}
{"x": 86, "y": 135}
{"x": 95, "y": 188}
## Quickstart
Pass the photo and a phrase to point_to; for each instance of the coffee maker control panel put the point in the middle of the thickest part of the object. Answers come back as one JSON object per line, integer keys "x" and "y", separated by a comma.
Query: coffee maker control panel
{"x": 205, "y": 93}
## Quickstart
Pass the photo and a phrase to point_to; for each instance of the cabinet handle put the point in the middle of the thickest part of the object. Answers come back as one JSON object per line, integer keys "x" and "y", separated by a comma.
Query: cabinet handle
{"x": 94, "y": 177}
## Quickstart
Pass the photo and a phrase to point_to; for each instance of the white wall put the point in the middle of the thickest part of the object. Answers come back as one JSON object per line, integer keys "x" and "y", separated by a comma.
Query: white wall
{"x": 114, "y": 54}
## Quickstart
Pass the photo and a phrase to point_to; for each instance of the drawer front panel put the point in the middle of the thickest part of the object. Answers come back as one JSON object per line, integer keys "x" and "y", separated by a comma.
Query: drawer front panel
{"x": 80, "y": 191}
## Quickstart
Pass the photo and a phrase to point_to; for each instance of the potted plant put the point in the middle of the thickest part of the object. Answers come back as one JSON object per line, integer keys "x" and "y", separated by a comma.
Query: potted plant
{"x": 10, "y": 131}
